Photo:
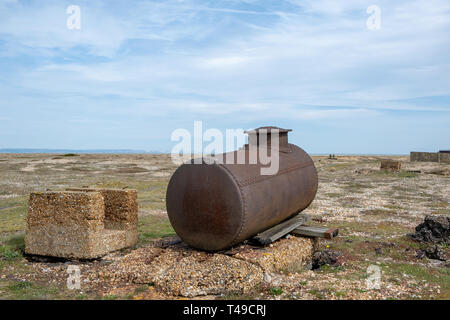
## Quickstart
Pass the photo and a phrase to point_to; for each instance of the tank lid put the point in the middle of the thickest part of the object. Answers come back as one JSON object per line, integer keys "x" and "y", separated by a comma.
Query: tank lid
{"x": 283, "y": 142}
{"x": 268, "y": 129}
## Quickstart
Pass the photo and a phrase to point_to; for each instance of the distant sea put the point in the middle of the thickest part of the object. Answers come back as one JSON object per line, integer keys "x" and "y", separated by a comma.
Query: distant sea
{"x": 131, "y": 151}
{"x": 65, "y": 151}
{"x": 362, "y": 154}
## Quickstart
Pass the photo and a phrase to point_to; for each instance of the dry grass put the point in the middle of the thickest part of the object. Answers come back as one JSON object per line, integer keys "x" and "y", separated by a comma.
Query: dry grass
{"x": 374, "y": 210}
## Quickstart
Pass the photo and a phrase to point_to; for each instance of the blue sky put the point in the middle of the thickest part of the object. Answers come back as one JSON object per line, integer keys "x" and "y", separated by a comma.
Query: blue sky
{"x": 137, "y": 70}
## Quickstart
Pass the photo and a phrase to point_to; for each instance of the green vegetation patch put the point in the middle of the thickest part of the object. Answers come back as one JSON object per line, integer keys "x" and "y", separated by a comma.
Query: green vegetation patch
{"x": 154, "y": 227}
{"x": 26, "y": 290}
{"x": 405, "y": 174}
{"x": 439, "y": 276}
{"x": 334, "y": 195}
{"x": 395, "y": 174}
{"x": 151, "y": 194}
{"x": 13, "y": 213}
{"x": 319, "y": 294}
{"x": 276, "y": 291}
{"x": 12, "y": 248}
{"x": 11, "y": 252}
{"x": 356, "y": 187}
{"x": 379, "y": 212}
{"x": 383, "y": 228}
{"x": 70, "y": 155}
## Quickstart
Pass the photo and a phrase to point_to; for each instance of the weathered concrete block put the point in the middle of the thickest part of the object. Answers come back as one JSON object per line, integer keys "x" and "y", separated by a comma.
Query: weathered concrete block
{"x": 238, "y": 270}
{"x": 424, "y": 157}
{"x": 121, "y": 210}
{"x": 444, "y": 157}
{"x": 391, "y": 165}
{"x": 285, "y": 255}
{"x": 71, "y": 224}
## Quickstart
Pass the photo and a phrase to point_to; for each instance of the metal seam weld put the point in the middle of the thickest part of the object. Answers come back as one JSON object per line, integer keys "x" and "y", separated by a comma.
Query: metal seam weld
{"x": 241, "y": 191}
{"x": 252, "y": 180}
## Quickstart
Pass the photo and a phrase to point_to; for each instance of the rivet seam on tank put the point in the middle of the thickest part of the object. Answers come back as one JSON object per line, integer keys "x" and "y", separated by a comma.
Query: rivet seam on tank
{"x": 249, "y": 181}
{"x": 244, "y": 203}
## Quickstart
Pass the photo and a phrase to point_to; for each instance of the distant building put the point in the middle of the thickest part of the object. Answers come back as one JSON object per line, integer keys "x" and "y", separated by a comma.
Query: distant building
{"x": 443, "y": 156}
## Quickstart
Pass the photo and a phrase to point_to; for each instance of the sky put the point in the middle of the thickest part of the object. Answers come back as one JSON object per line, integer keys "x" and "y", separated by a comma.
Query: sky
{"x": 135, "y": 71}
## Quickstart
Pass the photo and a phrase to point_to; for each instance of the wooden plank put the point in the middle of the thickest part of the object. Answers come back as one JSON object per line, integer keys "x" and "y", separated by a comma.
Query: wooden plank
{"x": 280, "y": 230}
{"x": 310, "y": 231}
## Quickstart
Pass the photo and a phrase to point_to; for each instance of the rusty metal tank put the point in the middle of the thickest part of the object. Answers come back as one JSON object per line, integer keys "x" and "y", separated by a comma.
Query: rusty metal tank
{"x": 215, "y": 206}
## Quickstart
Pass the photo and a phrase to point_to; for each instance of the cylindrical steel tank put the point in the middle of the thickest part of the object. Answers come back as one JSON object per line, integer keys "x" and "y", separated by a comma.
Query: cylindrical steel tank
{"x": 215, "y": 206}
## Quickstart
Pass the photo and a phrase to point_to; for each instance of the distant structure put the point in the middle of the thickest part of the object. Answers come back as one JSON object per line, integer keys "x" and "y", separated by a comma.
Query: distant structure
{"x": 390, "y": 165}
{"x": 332, "y": 157}
{"x": 443, "y": 156}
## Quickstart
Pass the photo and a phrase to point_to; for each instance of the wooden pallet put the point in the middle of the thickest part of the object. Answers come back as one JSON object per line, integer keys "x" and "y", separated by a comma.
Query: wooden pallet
{"x": 280, "y": 230}
{"x": 318, "y": 232}
{"x": 296, "y": 227}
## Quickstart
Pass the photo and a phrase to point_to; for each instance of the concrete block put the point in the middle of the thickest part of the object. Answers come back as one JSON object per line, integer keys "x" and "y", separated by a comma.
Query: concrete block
{"x": 71, "y": 224}
{"x": 390, "y": 165}
{"x": 121, "y": 210}
{"x": 424, "y": 157}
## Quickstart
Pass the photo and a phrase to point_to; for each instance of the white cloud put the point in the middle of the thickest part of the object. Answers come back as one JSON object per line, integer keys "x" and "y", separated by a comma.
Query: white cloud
{"x": 221, "y": 62}
{"x": 317, "y": 62}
